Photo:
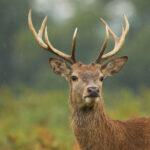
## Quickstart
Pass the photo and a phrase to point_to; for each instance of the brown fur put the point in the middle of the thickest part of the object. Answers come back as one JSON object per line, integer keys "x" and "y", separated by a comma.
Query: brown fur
{"x": 93, "y": 128}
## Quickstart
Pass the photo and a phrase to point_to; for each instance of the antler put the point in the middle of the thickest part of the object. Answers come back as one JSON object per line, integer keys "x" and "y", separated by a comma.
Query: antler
{"x": 104, "y": 46}
{"x": 118, "y": 40}
{"x": 48, "y": 46}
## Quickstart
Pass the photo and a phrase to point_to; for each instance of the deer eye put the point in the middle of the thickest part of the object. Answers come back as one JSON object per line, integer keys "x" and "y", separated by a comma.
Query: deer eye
{"x": 74, "y": 78}
{"x": 101, "y": 78}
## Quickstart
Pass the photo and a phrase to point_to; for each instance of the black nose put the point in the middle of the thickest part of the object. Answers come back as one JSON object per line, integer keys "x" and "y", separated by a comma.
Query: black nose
{"x": 93, "y": 91}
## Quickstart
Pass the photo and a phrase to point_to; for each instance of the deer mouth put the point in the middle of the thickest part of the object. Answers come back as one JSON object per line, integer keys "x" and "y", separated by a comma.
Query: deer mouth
{"x": 91, "y": 99}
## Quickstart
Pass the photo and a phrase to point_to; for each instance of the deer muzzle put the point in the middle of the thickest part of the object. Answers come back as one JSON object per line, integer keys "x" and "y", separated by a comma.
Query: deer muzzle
{"x": 92, "y": 95}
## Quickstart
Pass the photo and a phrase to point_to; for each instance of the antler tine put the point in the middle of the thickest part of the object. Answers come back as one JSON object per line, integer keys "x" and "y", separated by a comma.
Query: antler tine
{"x": 38, "y": 36}
{"x": 104, "y": 45}
{"x": 74, "y": 44}
{"x": 118, "y": 41}
{"x": 48, "y": 46}
{"x": 55, "y": 51}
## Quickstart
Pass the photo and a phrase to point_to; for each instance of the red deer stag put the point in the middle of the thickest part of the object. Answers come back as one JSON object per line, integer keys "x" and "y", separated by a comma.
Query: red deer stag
{"x": 93, "y": 128}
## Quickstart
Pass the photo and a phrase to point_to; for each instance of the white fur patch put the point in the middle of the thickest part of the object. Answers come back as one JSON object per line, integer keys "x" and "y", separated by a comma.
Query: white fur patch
{"x": 97, "y": 99}
{"x": 88, "y": 100}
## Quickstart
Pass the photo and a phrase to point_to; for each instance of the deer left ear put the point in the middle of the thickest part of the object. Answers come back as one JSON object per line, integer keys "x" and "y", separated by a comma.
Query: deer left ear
{"x": 113, "y": 66}
{"x": 60, "y": 67}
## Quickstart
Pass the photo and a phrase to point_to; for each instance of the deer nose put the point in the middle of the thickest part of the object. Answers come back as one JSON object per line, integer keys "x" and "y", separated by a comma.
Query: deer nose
{"x": 93, "y": 91}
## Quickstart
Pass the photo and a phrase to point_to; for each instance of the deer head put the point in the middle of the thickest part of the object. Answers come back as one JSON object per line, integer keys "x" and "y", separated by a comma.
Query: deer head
{"x": 85, "y": 80}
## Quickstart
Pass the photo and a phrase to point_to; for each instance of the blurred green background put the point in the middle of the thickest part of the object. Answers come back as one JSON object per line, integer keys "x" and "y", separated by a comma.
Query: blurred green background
{"x": 34, "y": 112}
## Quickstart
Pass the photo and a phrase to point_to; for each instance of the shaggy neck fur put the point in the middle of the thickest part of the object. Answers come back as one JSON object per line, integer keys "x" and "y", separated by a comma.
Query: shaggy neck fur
{"x": 93, "y": 128}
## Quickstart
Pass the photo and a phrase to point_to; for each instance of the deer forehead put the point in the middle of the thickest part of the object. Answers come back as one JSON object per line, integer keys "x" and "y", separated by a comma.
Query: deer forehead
{"x": 91, "y": 71}
{"x": 93, "y": 67}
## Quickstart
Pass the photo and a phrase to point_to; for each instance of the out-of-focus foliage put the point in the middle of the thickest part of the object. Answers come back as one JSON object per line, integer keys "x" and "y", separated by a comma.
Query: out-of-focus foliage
{"x": 33, "y": 120}
{"x": 30, "y": 119}
{"x": 22, "y": 60}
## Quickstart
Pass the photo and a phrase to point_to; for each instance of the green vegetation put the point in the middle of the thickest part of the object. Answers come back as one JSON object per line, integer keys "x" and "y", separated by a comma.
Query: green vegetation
{"x": 24, "y": 114}
{"x": 33, "y": 120}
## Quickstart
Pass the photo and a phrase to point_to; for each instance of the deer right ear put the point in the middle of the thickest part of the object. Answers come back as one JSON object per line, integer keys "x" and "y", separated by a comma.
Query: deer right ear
{"x": 113, "y": 66}
{"x": 60, "y": 67}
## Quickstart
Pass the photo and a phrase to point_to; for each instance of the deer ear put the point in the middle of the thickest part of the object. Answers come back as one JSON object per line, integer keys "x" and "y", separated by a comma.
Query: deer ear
{"x": 113, "y": 66}
{"x": 60, "y": 67}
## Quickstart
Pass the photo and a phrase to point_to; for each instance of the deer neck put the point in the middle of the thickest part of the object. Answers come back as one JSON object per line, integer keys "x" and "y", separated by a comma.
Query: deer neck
{"x": 88, "y": 125}
{"x": 93, "y": 117}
